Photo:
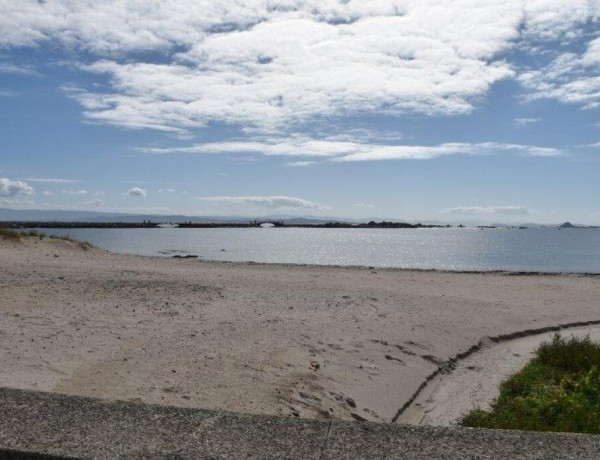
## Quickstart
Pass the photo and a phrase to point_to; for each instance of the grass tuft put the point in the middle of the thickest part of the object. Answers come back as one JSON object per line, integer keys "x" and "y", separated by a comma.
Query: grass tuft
{"x": 17, "y": 235}
{"x": 559, "y": 390}
{"x": 8, "y": 234}
{"x": 85, "y": 245}
{"x": 82, "y": 244}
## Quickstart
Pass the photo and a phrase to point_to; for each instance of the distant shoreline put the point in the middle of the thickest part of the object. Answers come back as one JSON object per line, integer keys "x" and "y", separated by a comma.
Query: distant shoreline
{"x": 257, "y": 224}
{"x": 47, "y": 224}
{"x": 28, "y": 224}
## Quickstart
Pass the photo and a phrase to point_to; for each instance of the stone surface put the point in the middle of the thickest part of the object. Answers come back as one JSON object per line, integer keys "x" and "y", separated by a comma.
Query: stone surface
{"x": 370, "y": 440}
{"x": 52, "y": 425}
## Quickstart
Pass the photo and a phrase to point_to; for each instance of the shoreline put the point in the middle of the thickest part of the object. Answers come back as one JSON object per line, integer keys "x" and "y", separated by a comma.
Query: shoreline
{"x": 312, "y": 341}
{"x": 200, "y": 259}
{"x": 213, "y": 255}
{"x": 374, "y": 267}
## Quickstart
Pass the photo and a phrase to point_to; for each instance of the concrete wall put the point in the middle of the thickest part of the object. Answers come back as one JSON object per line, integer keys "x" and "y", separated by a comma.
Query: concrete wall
{"x": 47, "y": 425}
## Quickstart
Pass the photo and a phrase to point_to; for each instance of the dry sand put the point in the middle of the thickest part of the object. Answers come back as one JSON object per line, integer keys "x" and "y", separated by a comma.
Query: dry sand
{"x": 278, "y": 339}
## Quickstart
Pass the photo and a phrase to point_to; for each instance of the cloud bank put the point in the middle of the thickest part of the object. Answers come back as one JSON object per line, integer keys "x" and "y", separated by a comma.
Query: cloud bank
{"x": 74, "y": 192}
{"x": 10, "y": 188}
{"x": 508, "y": 210}
{"x": 96, "y": 203}
{"x": 51, "y": 180}
{"x": 570, "y": 78}
{"x": 526, "y": 121}
{"x": 266, "y": 201}
{"x": 263, "y": 65}
{"x": 347, "y": 151}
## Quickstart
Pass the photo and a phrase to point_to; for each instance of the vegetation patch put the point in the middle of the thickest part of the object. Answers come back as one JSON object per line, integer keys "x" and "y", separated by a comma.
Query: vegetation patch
{"x": 17, "y": 235}
{"x": 8, "y": 234}
{"x": 559, "y": 390}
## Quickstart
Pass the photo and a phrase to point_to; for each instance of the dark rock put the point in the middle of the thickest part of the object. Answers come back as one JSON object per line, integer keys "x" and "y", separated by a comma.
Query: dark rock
{"x": 567, "y": 225}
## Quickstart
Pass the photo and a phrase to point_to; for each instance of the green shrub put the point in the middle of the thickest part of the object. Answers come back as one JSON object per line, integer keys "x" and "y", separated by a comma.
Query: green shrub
{"x": 559, "y": 390}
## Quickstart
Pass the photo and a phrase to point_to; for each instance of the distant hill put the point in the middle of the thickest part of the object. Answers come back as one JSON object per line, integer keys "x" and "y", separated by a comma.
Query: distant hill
{"x": 91, "y": 216}
{"x": 7, "y": 215}
{"x": 567, "y": 225}
{"x": 12, "y": 215}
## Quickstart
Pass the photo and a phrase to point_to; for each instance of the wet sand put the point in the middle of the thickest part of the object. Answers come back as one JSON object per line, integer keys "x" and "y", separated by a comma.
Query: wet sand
{"x": 323, "y": 342}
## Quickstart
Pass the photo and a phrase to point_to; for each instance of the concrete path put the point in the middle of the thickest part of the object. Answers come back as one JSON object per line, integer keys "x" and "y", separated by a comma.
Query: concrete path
{"x": 47, "y": 425}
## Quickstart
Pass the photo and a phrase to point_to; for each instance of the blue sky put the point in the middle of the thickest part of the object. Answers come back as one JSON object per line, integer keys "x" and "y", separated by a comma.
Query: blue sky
{"x": 415, "y": 110}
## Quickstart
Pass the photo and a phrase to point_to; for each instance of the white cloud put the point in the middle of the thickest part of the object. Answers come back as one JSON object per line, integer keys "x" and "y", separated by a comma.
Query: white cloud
{"x": 264, "y": 64}
{"x": 12, "y": 188}
{"x": 52, "y": 180}
{"x": 9, "y": 68}
{"x": 512, "y": 210}
{"x": 74, "y": 192}
{"x": 343, "y": 151}
{"x": 362, "y": 205}
{"x": 557, "y": 19}
{"x": 16, "y": 204}
{"x": 290, "y": 146}
{"x": 526, "y": 121}
{"x": 420, "y": 152}
{"x": 97, "y": 203}
{"x": 364, "y": 135}
{"x": 31, "y": 205}
{"x": 48, "y": 193}
{"x": 136, "y": 191}
{"x": 301, "y": 164}
{"x": 570, "y": 78}
{"x": 267, "y": 201}
{"x": 166, "y": 190}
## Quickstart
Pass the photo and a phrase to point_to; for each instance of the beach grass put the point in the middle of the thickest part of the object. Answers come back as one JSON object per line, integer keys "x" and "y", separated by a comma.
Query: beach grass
{"x": 559, "y": 390}
{"x": 82, "y": 244}
{"x": 17, "y": 235}
{"x": 8, "y": 234}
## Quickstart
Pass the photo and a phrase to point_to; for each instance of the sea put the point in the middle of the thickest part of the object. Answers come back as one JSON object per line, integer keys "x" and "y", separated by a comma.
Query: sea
{"x": 575, "y": 250}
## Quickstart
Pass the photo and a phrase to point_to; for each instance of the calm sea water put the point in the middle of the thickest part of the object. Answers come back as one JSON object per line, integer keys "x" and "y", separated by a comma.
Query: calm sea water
{"x": 547, "y": 250}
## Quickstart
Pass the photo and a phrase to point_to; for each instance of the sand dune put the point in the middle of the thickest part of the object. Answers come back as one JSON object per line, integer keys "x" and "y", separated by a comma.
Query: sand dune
{"x": 347, "y": 343}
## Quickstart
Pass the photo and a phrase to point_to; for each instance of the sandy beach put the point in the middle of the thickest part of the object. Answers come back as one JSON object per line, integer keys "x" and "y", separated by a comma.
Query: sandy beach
{"x": 322, "y": 342}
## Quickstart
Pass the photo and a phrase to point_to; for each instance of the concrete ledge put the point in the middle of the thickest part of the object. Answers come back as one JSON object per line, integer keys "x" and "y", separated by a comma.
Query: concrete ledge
{"x": 47, "y": 425}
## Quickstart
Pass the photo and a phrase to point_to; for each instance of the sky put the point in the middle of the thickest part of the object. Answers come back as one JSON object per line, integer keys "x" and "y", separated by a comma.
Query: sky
{"x": 417, "y": 110}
